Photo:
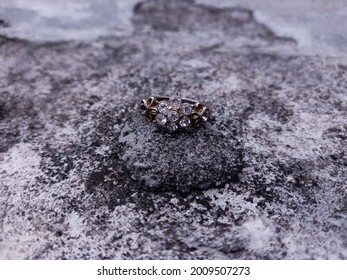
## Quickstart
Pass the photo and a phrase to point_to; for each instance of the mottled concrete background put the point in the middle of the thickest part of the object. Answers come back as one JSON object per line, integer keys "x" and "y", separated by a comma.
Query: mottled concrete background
{"x": 83, "y": 176}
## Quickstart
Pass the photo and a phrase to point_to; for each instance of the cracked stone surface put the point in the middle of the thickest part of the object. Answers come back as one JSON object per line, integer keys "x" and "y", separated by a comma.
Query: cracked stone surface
{"x": 84, "y": 176}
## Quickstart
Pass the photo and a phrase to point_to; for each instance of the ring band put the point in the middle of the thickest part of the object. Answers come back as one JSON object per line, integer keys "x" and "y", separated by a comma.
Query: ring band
{"x": 174, "y": 112}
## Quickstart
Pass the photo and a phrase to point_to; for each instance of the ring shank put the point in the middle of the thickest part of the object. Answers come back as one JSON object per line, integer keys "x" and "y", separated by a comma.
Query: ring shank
{"x": 187, "y": 100}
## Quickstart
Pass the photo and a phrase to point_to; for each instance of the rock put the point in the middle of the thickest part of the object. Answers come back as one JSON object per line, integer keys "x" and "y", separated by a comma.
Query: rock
{"x": 182, "y": 161}
{"x": 84, "y": 176}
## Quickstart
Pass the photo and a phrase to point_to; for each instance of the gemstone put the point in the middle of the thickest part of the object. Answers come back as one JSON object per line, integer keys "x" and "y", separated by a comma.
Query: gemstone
{"x": 185, "y": 122}
{"x": 143, "y": 110}
{"x": 161, "y": 119}
{"x": 163, "y": 106}
{"x": 186, "y": 109}
{"x": 172, "y": 127}
{"x": 175, "y": 101}
{"x": 172, "y": 116}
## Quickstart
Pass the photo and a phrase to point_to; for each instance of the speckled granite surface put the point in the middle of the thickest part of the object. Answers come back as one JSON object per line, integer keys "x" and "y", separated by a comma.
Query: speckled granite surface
{"x": 83, "y": 176}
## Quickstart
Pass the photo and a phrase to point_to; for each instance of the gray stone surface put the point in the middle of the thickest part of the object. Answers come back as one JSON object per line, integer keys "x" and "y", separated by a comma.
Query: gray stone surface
{"x": 84, "y": 176}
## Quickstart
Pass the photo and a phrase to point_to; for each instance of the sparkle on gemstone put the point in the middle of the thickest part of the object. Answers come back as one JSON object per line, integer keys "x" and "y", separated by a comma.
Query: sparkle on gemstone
{"x": 186, "y": 109}
{"x": 175, "y": 101}
{"x": 172, "y": 116}
{"x": 172, "y": 126}
{"x": 161, "y": 119}
{"x": 185, "y": 122}
{"x": 163, "y": 106}
{"x": 205, "y": 115}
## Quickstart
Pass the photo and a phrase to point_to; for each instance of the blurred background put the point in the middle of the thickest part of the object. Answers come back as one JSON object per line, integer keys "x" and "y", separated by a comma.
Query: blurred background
{"x": 317, "y": 25}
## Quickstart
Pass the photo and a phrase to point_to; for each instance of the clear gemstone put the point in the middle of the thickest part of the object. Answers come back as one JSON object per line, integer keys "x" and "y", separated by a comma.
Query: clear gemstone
{"x": 185, "y": 122}
{"x": 175, "y": 101}
{"x": 161, "y": 119}
{"x": 172, "y": 126}
{"x": 172, "y": 116}
{"x": 163, "y": 106}
{"x": 186, "y": 109}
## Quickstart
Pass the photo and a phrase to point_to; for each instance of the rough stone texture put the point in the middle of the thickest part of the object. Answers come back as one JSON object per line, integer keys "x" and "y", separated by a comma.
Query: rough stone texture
{"x": 83, "y": 176}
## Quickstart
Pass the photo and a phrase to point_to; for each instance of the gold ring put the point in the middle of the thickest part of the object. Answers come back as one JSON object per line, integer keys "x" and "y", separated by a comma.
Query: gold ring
{"x": 173, "y": 113}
